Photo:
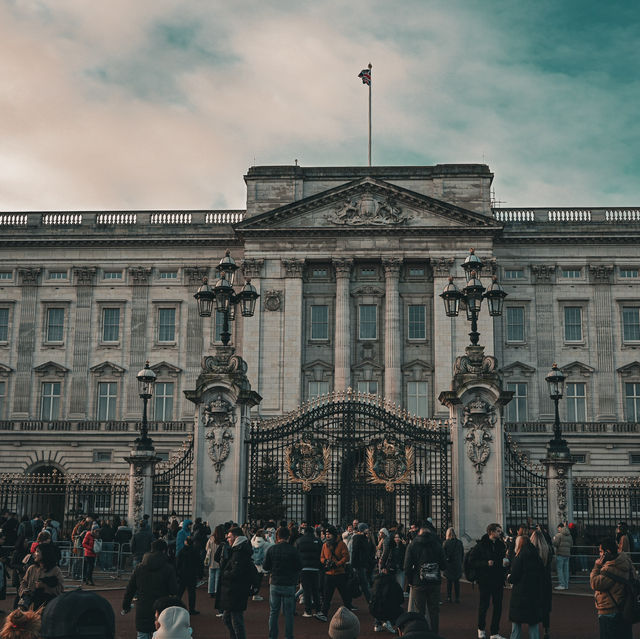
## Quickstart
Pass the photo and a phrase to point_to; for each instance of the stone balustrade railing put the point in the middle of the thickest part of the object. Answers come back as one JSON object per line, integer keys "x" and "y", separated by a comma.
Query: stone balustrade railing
{"x": 101, "y": 219}
{"x": 568, "y": 216}
{"x": 90, "y": 425}
{"x": 574, "y": 427}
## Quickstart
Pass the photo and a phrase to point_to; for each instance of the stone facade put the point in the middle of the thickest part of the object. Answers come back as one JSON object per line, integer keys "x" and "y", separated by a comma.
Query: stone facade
{"x": 349, "y": 263}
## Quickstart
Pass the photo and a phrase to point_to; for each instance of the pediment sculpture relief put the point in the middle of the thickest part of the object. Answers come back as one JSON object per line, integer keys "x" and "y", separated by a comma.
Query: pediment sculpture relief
{"x": 367, "y": 210}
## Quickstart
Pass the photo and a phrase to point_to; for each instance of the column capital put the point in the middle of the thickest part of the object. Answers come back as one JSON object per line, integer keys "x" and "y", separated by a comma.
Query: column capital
{"x": 195, "y": 274}
{"x": 140, "y": 275}
{"x": 83, "y": 275}
{"x": 342, "y": 266}
{"x": 293, "y": 267}
{"x": 601, "y": 273}
{"x": 29, "y": 276}
{"x": 442, "y": 266}
{"x": 543, "y": 272}
{"x": 252, "y": 267}
{"x": 391, "y": 266}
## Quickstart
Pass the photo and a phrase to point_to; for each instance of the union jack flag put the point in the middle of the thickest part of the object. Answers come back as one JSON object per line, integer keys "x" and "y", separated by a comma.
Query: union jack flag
{"x": 365, "y": 74}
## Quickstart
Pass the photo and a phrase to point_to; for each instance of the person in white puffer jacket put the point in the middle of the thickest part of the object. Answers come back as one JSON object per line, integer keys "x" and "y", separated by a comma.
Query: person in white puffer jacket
{"x": 260, "y": 545}
{"x": 173, "y": 623}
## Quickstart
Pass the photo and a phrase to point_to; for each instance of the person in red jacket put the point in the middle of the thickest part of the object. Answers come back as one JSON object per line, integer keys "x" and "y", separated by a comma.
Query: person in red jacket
{"x": 334, "y": 558}
{"x": 88, "y": 544}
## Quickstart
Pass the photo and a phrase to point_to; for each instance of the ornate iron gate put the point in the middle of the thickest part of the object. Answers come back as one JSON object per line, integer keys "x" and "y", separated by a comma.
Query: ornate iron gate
{"x": 173, "y": 484}
{"x": 350, "y": 456}
{"x": 526, "y": 487}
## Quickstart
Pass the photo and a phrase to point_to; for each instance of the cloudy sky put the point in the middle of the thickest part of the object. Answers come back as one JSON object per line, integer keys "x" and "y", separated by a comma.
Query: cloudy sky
{"x": 158, "y": 104}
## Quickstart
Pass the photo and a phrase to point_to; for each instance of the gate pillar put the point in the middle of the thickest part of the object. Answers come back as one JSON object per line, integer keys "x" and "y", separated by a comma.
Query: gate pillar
{"x": 141, "y": 466}
{"x": 474, "y": 403}
{"x": 559, "y": 489}
{"x": 223, "y": 399}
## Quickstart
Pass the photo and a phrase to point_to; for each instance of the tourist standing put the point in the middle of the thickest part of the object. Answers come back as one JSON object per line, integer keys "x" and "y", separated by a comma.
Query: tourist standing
{"x": 361, "y": 553}
{"x": 310, "y": 547}
{"x": 423, "y": 563}
{"x": 334, "y": 558}
{"x": 527, "y": 577}
{"x": 562, "y": 543}
{"x": 284, "y": 564}
{"x": 489, "y": 560}
{"x": 189, "y": 570}
{"x": 90, "y": 553}
{"x": 398, "y": 552}
{"x": 213, "y": 543}
{"x": 43, "y": 580}
{"x": 454, "y": 555}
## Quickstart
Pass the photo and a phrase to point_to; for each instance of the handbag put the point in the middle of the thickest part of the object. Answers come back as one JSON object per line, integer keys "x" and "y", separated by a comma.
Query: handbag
{"x": 97, "y": 546}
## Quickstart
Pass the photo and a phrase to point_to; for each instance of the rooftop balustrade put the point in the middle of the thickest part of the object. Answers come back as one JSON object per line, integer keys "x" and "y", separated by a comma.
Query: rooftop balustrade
{"x": 91, "y": 425}
{"x": 568, "y": 215}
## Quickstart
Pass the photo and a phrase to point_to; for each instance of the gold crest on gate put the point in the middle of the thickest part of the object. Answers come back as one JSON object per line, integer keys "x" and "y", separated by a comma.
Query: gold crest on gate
{"x": 307, "y": 462}
{"x": 388, "y": 465}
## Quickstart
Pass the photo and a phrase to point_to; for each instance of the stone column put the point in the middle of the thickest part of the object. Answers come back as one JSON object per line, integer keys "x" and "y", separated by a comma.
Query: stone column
{"x": 141, "y": 466}
{"x": 223, "y": 399}
{"x": 392, "y": 332}
{"x": 252, "y": 326}
{"x": 559, "y": 491}
{"x": 342, "y": 359}
{"x": 292, "y": 346}
{"x": 28, "y": 278}
{"x": 138, "y": 340}
{"x": 444, "y": 335}
{"x": 83, "y": 279}
{"x": 474, "y": 403}
{"x": 603, "y": 320}
{"x": 544, "y": 341}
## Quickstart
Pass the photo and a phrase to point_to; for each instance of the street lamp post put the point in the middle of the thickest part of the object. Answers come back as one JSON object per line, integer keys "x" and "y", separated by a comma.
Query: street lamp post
{"x": 471, "y": 296}
{"x": 557, "y": 447}
{"x": 146, "y": 379}
{"x": 225, "y": 297}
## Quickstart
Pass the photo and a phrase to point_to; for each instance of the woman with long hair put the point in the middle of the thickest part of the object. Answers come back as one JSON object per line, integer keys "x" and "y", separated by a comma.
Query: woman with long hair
{"x": 543, "y": 549}
{"x": 527, "y": 574}
{"x": 215, "y": 540}
{"x": 454, "y": 554}
{"x": 43, "y": 581}
{"x": 22, "y": 624}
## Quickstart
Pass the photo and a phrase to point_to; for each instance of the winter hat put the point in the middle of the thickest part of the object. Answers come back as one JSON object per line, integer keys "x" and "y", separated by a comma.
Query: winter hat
{"x": 174, "y": 624}
{"x": 383, "y": 531}
{"x": 344, "y": 625}
{"x": 333, "y": 530}
{"x": 362, "y": 527}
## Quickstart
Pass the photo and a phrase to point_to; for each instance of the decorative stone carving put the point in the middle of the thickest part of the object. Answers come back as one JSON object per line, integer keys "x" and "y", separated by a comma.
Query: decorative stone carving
{"x": 442, "y": 266}
{"x": 307, "y": 462}
{"x": 388, "y": 465}
{"x": 272, "y": 300}
{"x": 29, "y": 276}
{"x": 479, "y": 418}
{"x": 392, "y": 266}
{"x": 368, "y": 210}
{"x": 293, "y": 267}
{"x": 140, "y": 275}
{"x": 224, "y": 362}
{"x": 195, "y": 274}
{"x": 562, "y": 499}
{"x": 601, "y": 273}
{"x": 138, "y": 493}
{"x": 343, "y": 267}
{"x": 543, "y": 272}
{"x": 475, "y": 361}
{"x": 218, "y": 422}
{"x": 252, "y": 267}
{"x": 83, "y": 275}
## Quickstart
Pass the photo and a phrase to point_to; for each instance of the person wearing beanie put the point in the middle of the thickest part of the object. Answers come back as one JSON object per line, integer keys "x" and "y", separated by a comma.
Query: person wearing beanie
{"x": 362, "y": 552}
{"x": 173, "y": 623}
{"x": 344, "y": 624}
{"x": 334, "y": 557}
{"x": 413, "y": 625}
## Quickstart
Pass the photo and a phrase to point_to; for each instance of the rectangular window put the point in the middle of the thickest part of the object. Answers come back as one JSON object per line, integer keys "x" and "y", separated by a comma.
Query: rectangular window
{"x": 50, "y": 401}
{"x": 4, "y": 324}
{"x": 573, "y": 324}
{"x": 417, "y": 398}
{"x": 168, "y": 275}
{"x": 319, "y": 272}
{"x": 55, "y": 324}
{"x": 416, "y": 272}
{"x": 368, "y": 321}
{"x": 57, "y": 275}
{"x": 576, "y": 402}
{"x": 517, "y": 407}
{"x": 101, "y": 456}
{"x": 631, "y": 323}
{"x": 571, "y": 273}
{"x": 112, "y": 275}
{"x": 515, "y": 323}
{"x": 417, "y": 322}
{"x": 163, "y": 393}
{"x": 166, "y": 324}
{"x": 368, "y": 387}
{"x": 110, "y": 324}
{"x": 319, "y": 322}
{"x": 316, "y": 389}
{"x": 219, "y": 325}
{"x": 629, "y": 272}
{"x": 6, "y": 275}
{"x": 634, "y": 458}
{"x": 579, "y": 458}
{"x": 367, "y": 271}
{"x": 107, "y": 397}
{"x": 514, "y": 274}
{"x": 632, "y": 401}
{"x": 3, "y": 395}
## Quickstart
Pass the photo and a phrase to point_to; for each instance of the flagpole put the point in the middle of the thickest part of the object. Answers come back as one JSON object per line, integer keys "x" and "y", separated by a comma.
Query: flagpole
{"x": 370, "y": 67}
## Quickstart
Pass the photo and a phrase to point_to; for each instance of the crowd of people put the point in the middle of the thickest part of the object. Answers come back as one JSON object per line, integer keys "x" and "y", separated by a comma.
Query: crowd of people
{"x": 393, "y": 569}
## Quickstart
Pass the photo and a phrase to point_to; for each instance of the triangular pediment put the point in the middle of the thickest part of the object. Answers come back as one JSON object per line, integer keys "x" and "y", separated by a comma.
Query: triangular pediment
{"x": 368, "y": 203}
{"x": 630, "y": 370}
{"x": 51, "y": 368}
{"x": 577, "y": 369}
{"x": 416, "y": 365}
{"x": 165, "y": 369}
{"x": 317, "y": 364}
{"x": 518, "y": 368}
{"x": 367, "y": 364}
{"x": 5, "y": 370}
{"x": 107, "y": 369}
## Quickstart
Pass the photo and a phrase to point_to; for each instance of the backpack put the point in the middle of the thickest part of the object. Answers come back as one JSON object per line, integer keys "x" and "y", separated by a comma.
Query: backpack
{"x": 630, "y": 607}
{"x": 470, "y": 572}
{"x": 429, "y": 573}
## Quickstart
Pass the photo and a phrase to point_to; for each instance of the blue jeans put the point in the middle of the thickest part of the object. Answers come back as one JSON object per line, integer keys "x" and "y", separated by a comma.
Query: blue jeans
{"x": 516, "y": 631}
{"x": 214, "y": 577}
{"x": 106, "y": 556}
{"x": 143, "y": 635}
{"x": 613, "y": 627}
{"x": 285, "y": 597}
{"x": 562, "y": 564}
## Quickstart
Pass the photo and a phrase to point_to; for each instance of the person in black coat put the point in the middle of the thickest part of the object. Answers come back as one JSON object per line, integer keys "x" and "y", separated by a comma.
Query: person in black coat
{"x": 310, "y": 547}
{"x": 189, "y": 569}
{"x": 153, "y": 577}
{"x": 362, "y": 551}
{"x": 454, "y": 554}
{"x": 237, "y": 577}
{"x": 386, "y": 601}
{"x": 527, "y": 577}
{"x": 545, "y": 552}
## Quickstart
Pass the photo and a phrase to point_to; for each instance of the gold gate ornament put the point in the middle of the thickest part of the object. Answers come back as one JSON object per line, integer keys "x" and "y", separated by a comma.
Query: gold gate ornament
{"x": 388, "y": 465}
{"x": 307, "y": 462}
